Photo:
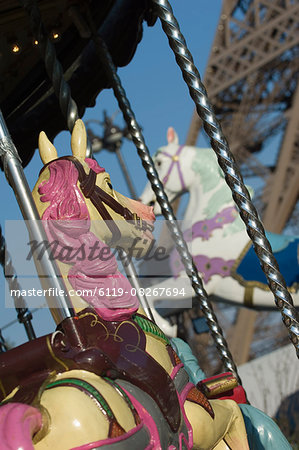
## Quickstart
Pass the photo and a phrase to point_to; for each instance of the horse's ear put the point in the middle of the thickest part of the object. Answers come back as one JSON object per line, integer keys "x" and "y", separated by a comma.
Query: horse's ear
{"x": 47, "y": 150}
{"x": 79, "y": 140}
{"x": 172, "y": 137}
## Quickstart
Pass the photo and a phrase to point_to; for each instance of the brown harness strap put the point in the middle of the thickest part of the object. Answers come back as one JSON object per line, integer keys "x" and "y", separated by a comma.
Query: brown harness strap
{"x": 98, "y": 197}
{"x": 88, "y": 187}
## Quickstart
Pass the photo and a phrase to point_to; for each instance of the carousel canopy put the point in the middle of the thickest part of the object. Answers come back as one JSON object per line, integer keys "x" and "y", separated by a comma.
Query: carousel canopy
{"x": 27, "y": 99}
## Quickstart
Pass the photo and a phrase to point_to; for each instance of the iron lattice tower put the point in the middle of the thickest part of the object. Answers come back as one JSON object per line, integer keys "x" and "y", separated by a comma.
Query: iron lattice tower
{"x": 252, "y": 80}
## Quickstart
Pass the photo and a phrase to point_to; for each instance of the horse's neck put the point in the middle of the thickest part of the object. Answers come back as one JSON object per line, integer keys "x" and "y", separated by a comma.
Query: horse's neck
{"x": 194, "y": 210}
{"x": 205, "y": 203}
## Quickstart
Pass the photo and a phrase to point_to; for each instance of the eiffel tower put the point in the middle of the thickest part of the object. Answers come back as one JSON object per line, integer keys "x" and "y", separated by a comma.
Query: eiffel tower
{"x": 252, "y": 81}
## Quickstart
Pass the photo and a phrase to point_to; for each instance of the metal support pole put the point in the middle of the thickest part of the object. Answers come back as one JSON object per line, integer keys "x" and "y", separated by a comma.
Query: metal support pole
{"x": 148, "y": 164}
{"x": 112, "y": 141}
{"x": 125, "y": 172}
{"x": 24, "y": 314}
{"x": 232, "y": 174}
{"x": 133, "y": 277}
{"x": 3, "y": 346}
{"x": 60, "y": 304}
{"x": 53, "y": 67}
{"x": 63, "y": 92}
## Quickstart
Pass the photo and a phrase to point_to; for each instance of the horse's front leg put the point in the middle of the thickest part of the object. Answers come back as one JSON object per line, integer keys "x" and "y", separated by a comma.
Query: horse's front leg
{"x": 225, "y": 430}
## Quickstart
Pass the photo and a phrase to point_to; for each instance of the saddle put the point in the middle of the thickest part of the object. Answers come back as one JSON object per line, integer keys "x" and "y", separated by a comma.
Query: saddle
{"x": 87, "y": 342}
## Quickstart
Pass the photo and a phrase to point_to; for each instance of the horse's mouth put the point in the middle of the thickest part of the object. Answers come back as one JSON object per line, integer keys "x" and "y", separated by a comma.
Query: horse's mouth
{"x": 171, "y": 198}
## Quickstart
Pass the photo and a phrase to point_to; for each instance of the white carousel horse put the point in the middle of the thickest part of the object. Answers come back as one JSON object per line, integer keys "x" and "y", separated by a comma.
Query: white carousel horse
{"x": 215, "y": 233}
{"x": 122, "y": 386}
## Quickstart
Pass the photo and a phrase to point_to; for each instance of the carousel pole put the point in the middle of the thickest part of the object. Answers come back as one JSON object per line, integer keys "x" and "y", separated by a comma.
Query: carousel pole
{"x": 60, "y": 305}
{"x": 68, "y": 105}
{"x": 24, "y": 314}
{"x": 231, "y": 171}
{"x": 131, "y": 273}
{"x": 3, "y": 346}
{"x": 112, "y": 141}
{"x": 125, "y": 172}
{"x": 148, "y": 164}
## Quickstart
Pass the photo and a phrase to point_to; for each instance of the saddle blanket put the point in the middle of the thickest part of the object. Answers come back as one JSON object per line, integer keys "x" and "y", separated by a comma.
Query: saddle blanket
{"x": 285, "y": 249}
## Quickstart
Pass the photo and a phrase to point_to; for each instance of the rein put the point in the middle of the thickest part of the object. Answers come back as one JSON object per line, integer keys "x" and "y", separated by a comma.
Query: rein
{"x": 174, "y": 161}
{"x": 99, "y": 197}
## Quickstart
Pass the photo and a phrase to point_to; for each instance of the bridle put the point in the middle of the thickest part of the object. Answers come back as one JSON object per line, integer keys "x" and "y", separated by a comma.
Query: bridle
{"x": 175, "y": 162}
{"x": 99, "y": 198}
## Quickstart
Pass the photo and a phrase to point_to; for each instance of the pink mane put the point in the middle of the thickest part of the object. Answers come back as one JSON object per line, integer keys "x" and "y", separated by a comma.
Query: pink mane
{"x": 67, "y": 223}
{"x": 61, "y": 190}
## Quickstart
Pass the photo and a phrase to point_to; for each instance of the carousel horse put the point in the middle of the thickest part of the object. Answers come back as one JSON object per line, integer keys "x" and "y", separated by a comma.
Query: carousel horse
{"x": 122, "y": 385}
{"x": 220, "y": 246}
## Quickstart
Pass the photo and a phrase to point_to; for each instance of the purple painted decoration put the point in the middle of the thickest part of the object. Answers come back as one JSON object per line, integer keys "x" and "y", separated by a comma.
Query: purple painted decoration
{"x": 205, "y": 228}
{"x": 205, "y": 265}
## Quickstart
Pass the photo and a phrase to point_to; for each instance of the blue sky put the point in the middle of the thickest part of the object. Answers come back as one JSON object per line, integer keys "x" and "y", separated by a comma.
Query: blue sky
{"x": 160, "y": 99}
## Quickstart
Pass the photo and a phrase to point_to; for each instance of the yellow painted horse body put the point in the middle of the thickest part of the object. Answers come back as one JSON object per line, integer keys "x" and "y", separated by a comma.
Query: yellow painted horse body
{"x": 142, "y": 398}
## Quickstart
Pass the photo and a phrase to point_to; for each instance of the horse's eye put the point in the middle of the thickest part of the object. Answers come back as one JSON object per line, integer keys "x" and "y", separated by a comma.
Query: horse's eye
{"x": 110, "y": 185}
{"x": 158, "y": 163}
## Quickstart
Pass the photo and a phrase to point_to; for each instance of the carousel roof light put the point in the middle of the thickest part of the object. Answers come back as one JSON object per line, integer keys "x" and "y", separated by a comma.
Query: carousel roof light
{"x": 55, "y": 35}
{"x": 15, "y": 48}
{"x": 28, "y": 90}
